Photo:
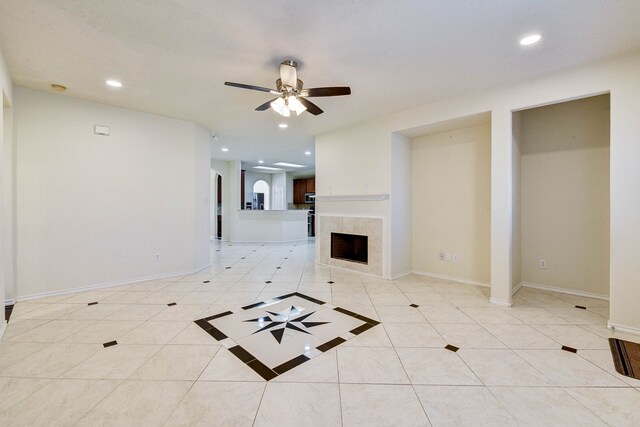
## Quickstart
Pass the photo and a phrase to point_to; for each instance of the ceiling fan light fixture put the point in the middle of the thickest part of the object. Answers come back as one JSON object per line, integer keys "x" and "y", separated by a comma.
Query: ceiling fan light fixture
{"x": 280, "y": 107}
{"x": 295, "y": 105}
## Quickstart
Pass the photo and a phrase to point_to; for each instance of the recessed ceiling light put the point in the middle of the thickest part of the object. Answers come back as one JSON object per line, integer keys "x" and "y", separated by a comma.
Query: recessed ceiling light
{"x": 113, "y": 83}
{"x": 283, "y": 125}
{"x": 529, "y": 40}
{"x": 261, "y": 161}
{"x": 225, "y": 149}
{"x": 289, "y": 165}
{"x": 307, "y": 153}
{"x": 267, "y": 168}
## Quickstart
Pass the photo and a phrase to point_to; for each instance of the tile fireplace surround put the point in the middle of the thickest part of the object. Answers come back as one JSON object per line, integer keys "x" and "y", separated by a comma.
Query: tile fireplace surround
{"x": 371, "y": 227}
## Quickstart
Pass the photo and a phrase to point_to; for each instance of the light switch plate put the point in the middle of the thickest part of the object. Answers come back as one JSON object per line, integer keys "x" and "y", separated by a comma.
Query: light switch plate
{"x": 101, "y": 130}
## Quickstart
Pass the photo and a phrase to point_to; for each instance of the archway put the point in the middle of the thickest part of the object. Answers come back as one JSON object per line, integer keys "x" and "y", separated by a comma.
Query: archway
{"x": 261, "y": 195}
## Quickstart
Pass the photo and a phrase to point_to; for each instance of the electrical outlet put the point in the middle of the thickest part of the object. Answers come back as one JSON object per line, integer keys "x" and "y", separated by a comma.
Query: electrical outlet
{"x": 542, "y": 263}
{"x": 441, "y": 256}
{"x": 157, "y": 258}
{"x": 456, "y": 258}
{"x": 448, "y": 257}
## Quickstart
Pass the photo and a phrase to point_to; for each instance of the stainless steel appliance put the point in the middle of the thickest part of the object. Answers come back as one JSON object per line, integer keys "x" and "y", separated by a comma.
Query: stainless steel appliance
{"x": 258, "y": 201}
{"x": 311, "y": 222}
{"x": 310, "y": 197}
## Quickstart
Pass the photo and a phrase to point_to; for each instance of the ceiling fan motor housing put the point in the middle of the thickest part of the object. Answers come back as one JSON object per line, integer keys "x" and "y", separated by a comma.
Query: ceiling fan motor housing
{"x": 283, "y": 88}
{"x": 288, "y": 73}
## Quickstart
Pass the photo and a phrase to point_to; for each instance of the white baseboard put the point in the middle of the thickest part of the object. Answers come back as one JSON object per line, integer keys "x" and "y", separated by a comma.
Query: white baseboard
{"x": 101, "y": 286}
{"x": 3, "y": 327}
{"x": 199, "y": 269}
{"x": 622, "y": 328}
{"x": 452, "y": 278}
{"x": 269, "y": 241}
{"x": 516, "y": 289}
{"x": 565, "y": 291}
{"x": 497, "y": 301}
{"x": 399, "y": 275}
{"x": 10, "y": 301}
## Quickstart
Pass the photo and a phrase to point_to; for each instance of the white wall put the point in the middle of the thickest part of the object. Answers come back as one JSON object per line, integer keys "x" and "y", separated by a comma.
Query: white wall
{"x": 279, "y": 184}
{"x": 201, "y": 142}
{"x": 565, "y": 195}
{"x": 357, "y": 158}
{"x": 7, "y": 281}
{"x": 8, "y": 203}
{"x": 451, "y": 203}
{"x": 401, "y": 216}
{"x": 96, "y": 210}
{"x": 516, "y": 208}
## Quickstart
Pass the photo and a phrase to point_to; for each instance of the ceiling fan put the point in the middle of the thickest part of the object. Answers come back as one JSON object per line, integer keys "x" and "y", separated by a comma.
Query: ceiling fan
{"x": 291, "y": 95}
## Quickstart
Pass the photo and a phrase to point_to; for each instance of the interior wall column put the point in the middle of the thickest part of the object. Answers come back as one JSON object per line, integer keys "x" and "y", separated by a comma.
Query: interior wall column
{"x": 501, "y": 209}
{"x": 232, "y": 208}
{"x": 624, "y": 270}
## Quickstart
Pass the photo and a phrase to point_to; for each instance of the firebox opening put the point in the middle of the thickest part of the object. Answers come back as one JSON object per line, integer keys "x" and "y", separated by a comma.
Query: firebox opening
{"x": 350, "y": 247}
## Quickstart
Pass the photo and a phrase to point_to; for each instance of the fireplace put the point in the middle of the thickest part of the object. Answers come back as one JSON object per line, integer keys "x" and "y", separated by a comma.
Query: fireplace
{"x": 369, "y": 229}
{"x": 350, "y": 247}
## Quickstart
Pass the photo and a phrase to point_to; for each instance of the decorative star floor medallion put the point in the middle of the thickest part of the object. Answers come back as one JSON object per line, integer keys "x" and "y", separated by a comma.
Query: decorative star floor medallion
{"x": 272, "y": 337}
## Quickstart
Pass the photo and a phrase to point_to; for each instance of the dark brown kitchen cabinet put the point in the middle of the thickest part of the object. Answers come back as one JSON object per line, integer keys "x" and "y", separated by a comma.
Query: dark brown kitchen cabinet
{"x": 311, "y": 185}
{"x": 302, "y": 187}
{"x": 242, "y": 180}
{"x": 299, "y": 190}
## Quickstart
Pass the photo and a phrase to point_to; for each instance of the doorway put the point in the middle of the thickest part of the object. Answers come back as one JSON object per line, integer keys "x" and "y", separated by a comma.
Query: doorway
{"x": 219, "y": 208}
{"x": 261, "y": 195}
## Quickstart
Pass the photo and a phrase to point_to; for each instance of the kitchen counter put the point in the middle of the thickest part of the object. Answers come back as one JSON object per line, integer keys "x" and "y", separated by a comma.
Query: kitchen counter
{"x": 271, "y": 225}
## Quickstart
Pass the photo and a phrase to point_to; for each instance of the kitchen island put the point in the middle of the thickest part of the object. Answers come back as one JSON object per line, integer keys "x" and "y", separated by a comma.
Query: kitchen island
{"x": 270, "y": 225}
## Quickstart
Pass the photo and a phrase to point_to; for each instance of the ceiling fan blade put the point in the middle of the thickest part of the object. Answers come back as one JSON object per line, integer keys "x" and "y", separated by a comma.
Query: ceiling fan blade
{"x": 266, "y": 105}
{"x": 327, "y": 91}
{"x": 311, "y": 107}
{"x": 251, "y": 87}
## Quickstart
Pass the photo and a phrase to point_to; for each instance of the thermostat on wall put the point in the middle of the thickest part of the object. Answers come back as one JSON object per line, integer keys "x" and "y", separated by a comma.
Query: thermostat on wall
{"x": 101, "y": 130}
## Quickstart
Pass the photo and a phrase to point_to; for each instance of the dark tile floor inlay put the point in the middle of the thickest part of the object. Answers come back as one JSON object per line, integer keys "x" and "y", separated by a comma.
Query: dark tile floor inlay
{"x": 110, "y": 344}
{"x": 8, "y": 309}
{"x": 207, "y": 281}
{"x": 414, "y": 305}
{"x": 172, "y": 304}
{"x": 581, "y": 307}
{"x": 331, "y": 282}
{"x": 93, "y": 303}
{"x": 569, "y": 349}
{"x": 268, "y": 281}
{"x": 452, "y": 348}
{"x": 274, "y": 336}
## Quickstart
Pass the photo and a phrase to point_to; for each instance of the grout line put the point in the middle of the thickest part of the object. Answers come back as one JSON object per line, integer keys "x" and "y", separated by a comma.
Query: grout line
{"x": 273, "y": 251}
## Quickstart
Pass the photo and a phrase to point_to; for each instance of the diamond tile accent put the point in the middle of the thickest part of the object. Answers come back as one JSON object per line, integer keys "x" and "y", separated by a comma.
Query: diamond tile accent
{"x": 274, "y": 336}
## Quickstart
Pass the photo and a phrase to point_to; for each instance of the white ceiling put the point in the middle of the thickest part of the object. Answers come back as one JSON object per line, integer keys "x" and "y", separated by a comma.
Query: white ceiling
{"x": 174, "y": 55}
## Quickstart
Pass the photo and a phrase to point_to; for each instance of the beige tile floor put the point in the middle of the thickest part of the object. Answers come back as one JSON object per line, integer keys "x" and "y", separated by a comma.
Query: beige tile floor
{"x": 165, "y": 370}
